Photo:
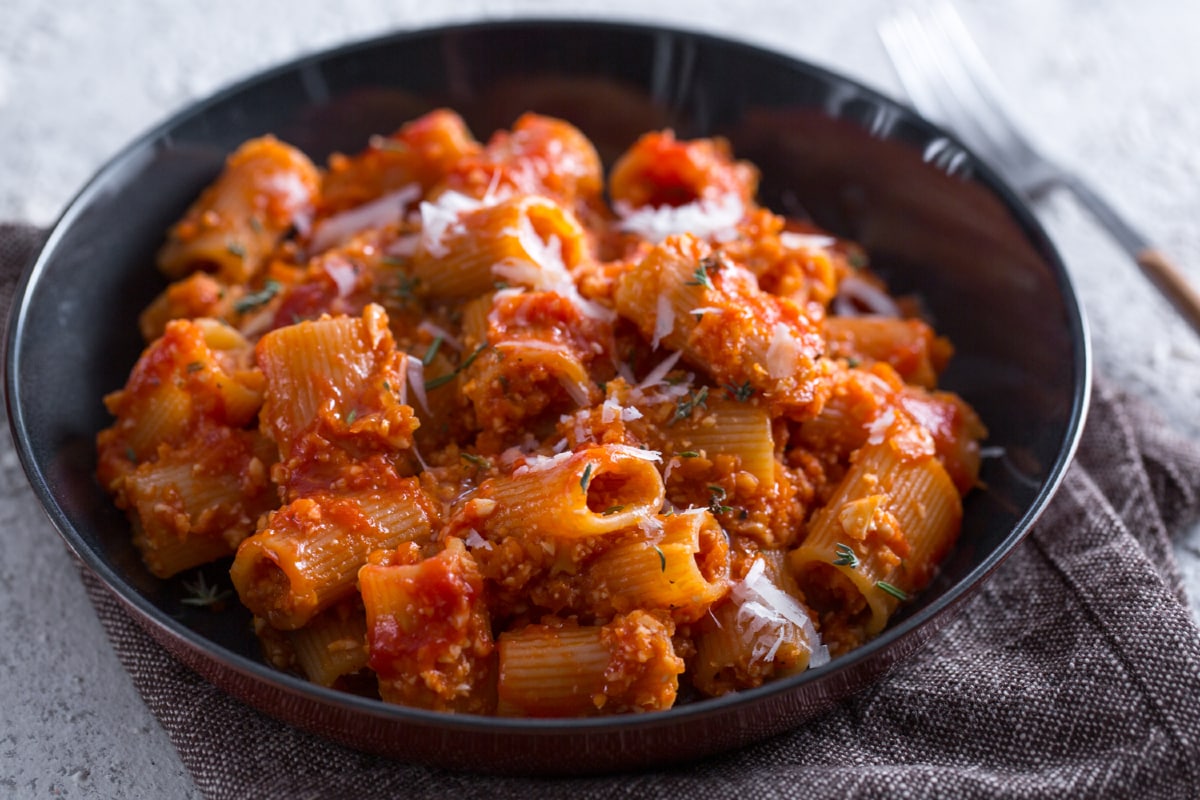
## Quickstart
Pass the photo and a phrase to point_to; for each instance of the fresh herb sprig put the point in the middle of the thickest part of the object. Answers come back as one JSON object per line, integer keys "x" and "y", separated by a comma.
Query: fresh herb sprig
{"x": 894, "y": 591}
{"x": 202, "y": 595}
{"x": 252, "y": 301}
{"x": 442, "y": 380}
{"x": 846, "y": 556}
{"x": 689, "y": 403}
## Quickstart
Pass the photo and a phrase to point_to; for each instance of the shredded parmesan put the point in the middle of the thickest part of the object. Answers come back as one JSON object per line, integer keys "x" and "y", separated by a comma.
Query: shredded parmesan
{"x": 877, "y": 429}
{"x": 702, "y": 310}
{"x": 437, "y": 331}
{"x": 783, "y": 353}
{"x": 541, "y": 463}
{"x": 708, "y": 219}
{"x": 854, "y": 293}
{"x": 805, "y": 241}
{"x": 764, "y": 610}
{"x": 636, "y": 452}
{"x": 375, "y": 214}
{"x": 657, "y": 374}
{"x": 441, "y": 218}
{"x": 415, "y": 371}
{"x": 611, "y": 411}
{"x": 664, "y": 320}
{"x": 474, "y": 540}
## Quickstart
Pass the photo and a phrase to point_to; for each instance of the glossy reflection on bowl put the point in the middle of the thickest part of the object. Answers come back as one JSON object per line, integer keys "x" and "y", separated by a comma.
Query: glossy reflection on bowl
{"x": 858, "y": 163}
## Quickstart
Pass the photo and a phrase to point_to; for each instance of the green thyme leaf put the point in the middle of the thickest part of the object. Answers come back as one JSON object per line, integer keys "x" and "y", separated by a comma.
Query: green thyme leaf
{"x": 479, "y": 461}
{"x": 262, "y": 297}
{"x": 608, "y": 512}
{"x": 688, "y": 454}
{"x": 200, "y": 594}
{"x": 895, "y": 592}
{"x": 662, "y": 558}
{"x": 235, "y": 249}
{"x": 740, "y": 393}
{"x": 689, "y": 403}
{"x": 587, "y": 477}
{"x": 431, "y": 353}
{"x": 845, "y": 556}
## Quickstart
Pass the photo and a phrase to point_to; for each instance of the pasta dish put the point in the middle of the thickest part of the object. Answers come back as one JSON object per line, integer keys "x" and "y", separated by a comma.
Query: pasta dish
{"x": 486, "y": 429}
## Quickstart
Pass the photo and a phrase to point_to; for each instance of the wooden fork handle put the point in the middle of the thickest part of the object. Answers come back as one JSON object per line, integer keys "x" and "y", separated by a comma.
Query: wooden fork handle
{"x": 1172, "y": 283}
{"x": 1166, "y": 277}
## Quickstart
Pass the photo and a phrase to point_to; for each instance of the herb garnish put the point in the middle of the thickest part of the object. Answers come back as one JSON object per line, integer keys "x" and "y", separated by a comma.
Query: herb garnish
{"x": 700, "y": 276}
{"x": 894, "y": 591}
{"x": 608, "y": 512}
{"x": 845, "y": 556}
{"x": 662, "y": 558}
{"x": 201, "y": 595}
{"x": 740, "y": 393}
{"x": 715, "y": 503}
{"x": 195, "y": 366}
{"x": 235, "y": 249}
{"x": 131, "y": 454}
{"x": 442, "y": 380}
{"x": 687, "y": 404}
{"x": 852, "y": 362}
{"x": 252, "y": 301}
{"x": 587, "y": 477}
{"x": 479, "y": 461}
{"x": 431, "y": 353}
{"x": 350, "y": 417}
{"x": 688, "y": 454}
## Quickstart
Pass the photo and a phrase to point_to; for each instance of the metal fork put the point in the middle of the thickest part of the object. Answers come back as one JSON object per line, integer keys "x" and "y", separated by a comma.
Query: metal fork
{"x": 949, "y": 81}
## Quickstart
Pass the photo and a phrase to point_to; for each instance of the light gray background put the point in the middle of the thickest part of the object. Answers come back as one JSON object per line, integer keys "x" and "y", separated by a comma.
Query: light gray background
{"x": 1110, "y": 86}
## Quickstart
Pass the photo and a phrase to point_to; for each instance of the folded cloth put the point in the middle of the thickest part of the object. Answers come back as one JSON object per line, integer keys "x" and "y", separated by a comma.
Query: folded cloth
{"x": 1073, "y": 672}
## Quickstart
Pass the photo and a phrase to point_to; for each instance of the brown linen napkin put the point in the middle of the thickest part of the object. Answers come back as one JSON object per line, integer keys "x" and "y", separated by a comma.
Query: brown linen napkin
{"x": 1073, "y": 672}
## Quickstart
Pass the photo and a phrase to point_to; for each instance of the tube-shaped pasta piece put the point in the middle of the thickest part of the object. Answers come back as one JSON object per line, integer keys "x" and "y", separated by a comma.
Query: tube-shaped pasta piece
{"x": 421, "y": 153}
{"x": 659, "y": 170}
{"x": 429, "y": 631}
{"x": 465, "y": 253}
{"x": 541, "y": 348}
{"x": 891, "y": 520}
{"x": 762, "y": 632}
{"x": 566, "y": 670}
{"x": 198, "y": 372}
{"x": 541, "y": 155}
{"x": 684, "y": 572}
{"x": 339, "y": 379}
{"x": 265, "y": 188}
{"x": 195, "y": 504}
{"x": 591, "y": 492}
{"x": 908, "y": 345}
{"x": 308, "y": 555}
{"x": 333, "y": 644}
{"x": 730, "y": 428}
{"x": 687, "y": 298}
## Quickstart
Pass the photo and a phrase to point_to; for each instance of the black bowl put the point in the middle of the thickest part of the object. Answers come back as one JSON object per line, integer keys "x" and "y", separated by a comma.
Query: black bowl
{"x": 935, "y": 221}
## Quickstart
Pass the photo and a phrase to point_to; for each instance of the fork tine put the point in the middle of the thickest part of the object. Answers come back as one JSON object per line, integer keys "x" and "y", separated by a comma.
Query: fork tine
{"x": 969, "y": 72}
{"x": 935, "y": 59}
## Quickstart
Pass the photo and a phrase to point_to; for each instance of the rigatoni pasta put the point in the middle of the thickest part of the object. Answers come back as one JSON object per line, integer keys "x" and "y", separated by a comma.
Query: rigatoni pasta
{"x": 479, "y": 441}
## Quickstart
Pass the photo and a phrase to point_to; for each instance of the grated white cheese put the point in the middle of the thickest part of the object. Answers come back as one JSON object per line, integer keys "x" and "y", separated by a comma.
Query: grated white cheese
{"x": 855, "y": 292}
{"x": 877, "y": 428}
{"x": 435, "y": 331}
{"x": 783, "y": 353}
{"x": 375, "y": 214}
{"x": 611, "y": 411}
{"x": 657, "y": 374}
{"x": 415, "y": 372}
{"x": 702, "y": 310}
{"x": 541, "y": 463}
{"x": 708, "y": 219}
{"x": 805, "y": 241}
{"x": 764, "y": 609}
{"x": 664, "y": 320}
{"x": 474, "y": 540}
{"x": 636, "y": 452}
{"x": 441, "y": 218}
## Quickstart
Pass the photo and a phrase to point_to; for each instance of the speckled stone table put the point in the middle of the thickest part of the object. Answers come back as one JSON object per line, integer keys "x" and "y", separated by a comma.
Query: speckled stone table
{"x": 1109, "y": 86}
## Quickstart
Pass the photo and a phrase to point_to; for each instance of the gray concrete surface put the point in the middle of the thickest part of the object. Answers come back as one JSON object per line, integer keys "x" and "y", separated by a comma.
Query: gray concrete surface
{"x": 1109, "y": 85}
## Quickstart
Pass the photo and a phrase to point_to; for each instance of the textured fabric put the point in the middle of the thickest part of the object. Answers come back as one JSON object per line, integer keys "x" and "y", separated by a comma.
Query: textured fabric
{"x": 1073, "y": 672}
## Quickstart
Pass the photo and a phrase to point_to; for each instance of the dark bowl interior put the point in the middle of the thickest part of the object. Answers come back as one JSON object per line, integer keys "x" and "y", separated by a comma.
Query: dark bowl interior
{"x": 935, "y": 221}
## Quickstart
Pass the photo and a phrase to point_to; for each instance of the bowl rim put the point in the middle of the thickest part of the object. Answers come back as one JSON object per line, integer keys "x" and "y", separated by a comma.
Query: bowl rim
{"x": 260, "y": 671}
